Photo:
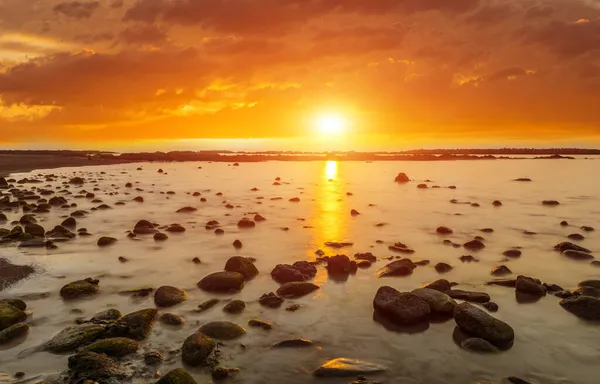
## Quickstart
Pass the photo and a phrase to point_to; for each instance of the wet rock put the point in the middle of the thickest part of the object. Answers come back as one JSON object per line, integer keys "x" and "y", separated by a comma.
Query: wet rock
{"x": 259, "y": 218}
{"x": 550, "y": 202}
{"x": 422, "y": 186}
{"x": 529, "y": 285}
{"x": 246, "y": 223}
{"x": 512, "y": 253}
{"x": 197, "y": 348}
{"x": 77, "y": 181}
{"x": 136, "y": 325}
{"x": 175, "y": 228}
{"x": 587, "y": 291}
{"x": 474, "y": 245}
{"x": 363, "y": 264}
{"x": 293, "y": 343}
{"x": 503, "y": 283}
{"x": 177, "y": 376}
{"x": 474, "y": 297}
{"x": 187, "y": 210}
{"x": 285, "y": 273}
{"x": 196, "y": 260}
{"x": 585, "y": 307}
{"x": 590, "y": 283}
{"x": 108, "y": 315}
{"x": 144, "y": 227}
{"x": 153, "y": 358}
{"x": 576, "y": 236}
{"x": 12, "y": 273}
{"x": 564, "y": 223}
{"x": 490, "y": 306}
{"x": 260, "y": 324}
{"x": 595, "y": 263}
{"x": 71, "y": 338}
{"x": 243, "y": 266}
{"x": 13, "y": 332}
{"x": 221, "y": 373}
{"x": 293, "y": 307}
{"x": 401, "y": 248}
{"x": 586, "y": 228}
{"x": 564, "y": 246}
{"x": 222, "y": 282}
{"x": 444, "y": 231}
{"x": 497, "y": 203}
{"x": 478, "y": 323}
{"x": 17, "y": 303}
{"x": 577, "y": 255}
{"x": 517, "y": 380}
{"x": 443, "y": 267}
{"x": 441, "y": 285}
{"x": 35, "y": 230}
{"x": 476, "y": 344}
{"x": 167, "y": 296}
{"x": 237, "y": 244}
{"x": 354, "y": 212}
{"x": 403, "y": 267}
{"x": 501, "y": 270}
{"x": 106, "y": 241}
{"x": 270, "y": 300}
{"x": 343, "y": 367}
{"x": 222, "y": 330}
{"x": 208, "y": 304}
{"x": 401, "y": 308}
{"x": 171, "y": 319}
{"x": 93, "y": 366}
{"x": 235, "y": 307}
{"x": 468, "y": 259}
{"x": 79, "y": 289}
{"x": 438, "y": 302}
{"x": 114, "y": 347}
{"x": 363, "y": 256}
{"x": 402, "y": 178}
{"x": 296, "y": 289}
{"x": 159, "y": 236}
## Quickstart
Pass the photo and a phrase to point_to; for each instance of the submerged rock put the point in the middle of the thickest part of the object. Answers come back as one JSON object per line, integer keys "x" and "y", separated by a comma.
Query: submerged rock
{"x": 260, "y": 324}
{"x": 197, "y": 348}
{"x": 90, "y": 366}
{"x": 270, "y": 300}
{"x": 343, "y": 367}
{"x": 475, "y": 297}
{"x": 479, "y": 323}
{"x": 400, "y": 308}
{"x": 577, "y": 255}
{"x": 222, "y": 282}
{"x": 441, "y": 285}
{"x": 293, "y": 343}
{"x": 234, "y": 307}
{"x": 222, "y": 330}
{"x": 476, "y": 344}
{"x": 171, "y": 319}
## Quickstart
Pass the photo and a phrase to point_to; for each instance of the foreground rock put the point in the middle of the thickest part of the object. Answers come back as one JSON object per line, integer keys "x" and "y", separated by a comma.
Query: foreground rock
{"x": 167, "y": 296}
{"x": 177, "y": 376}
{"x": 80, "y": 288}
{"x": 222, "y": 282}
{"x": 114, "y": 347}
{"x": 402, "y": 178}
{"x": 196, "y": 349}
{"x": 479, "y": 323}
{"x": 10, "y": 315}
{"x": 13, "y": 332}
{"x": 438, "y": 302}
{"x": 74, "y": 337}
{"x": 585, "y": 307}
{"x": 296, "y": 289}
{"x": 341, "y": 265}
{"x": 243, "y": 266}
{"x": 344, "y": 367}
{"x": 401, "y": 308}
{"x": 564, "y": 246}
{"x": 222, "y": 330}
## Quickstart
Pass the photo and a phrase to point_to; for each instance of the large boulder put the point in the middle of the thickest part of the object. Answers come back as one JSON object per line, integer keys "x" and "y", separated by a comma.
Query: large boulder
{"x": 401, "y": 308}
{"x": 71, "y": 338}
{"x": 296, "y": 289}
{"x": 530, "y": 286}
{"x": 241, "y": 265}
{"x": 479, "y": 323}
{"x": 114, "y": 347}
{"x": 35, "y": 230}
{"x": 343, "y": 367}
{"x": 79, "y": 289}
{"x": 402, "y": 267}
{"x": 222, "y": 282}
{"x": 585, "y": 307}
{"x": 177, "y": 376}
{"x": 439, "y": 302}
{"x": 197, "y": 348}
{"x": 167, "y": 296}
{"x": 222, "y": 330}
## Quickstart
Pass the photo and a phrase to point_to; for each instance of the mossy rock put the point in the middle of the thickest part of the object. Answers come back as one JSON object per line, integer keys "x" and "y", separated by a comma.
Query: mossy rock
{"x": 79, "y": 288}
{"x": 108, "y": 315}
{"x": 243, "y": 266}
{"x": 197, "y": 348}
{"x": 20, "y": 304}
{"x": 115, "y": 347}
{"x": 93, "y": 366}
{"x": 136, "y": 325}
{"x": 10, "y": 315}
{"x": 222, "y": 330}
{"x": 13, "y": 332}
{"x": 71, "y": 338}
{"x": 177, "y": 376}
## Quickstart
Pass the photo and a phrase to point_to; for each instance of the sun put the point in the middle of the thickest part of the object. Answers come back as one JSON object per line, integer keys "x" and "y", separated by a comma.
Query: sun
{"x": 331, "y": 125}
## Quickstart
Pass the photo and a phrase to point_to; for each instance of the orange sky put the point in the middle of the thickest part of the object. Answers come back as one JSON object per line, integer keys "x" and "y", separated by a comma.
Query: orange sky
{"x": 402, "y": 73}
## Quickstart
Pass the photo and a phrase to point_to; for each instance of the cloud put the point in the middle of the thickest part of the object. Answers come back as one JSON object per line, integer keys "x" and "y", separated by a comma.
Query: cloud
{"x": 566, "y": 39}
{"x": 77, "y": 9}
{"x": 539, "y": 11}
{"x": 143, "y": 34}
{"x": 117, "y": 4}
{"x": 491, "y": 14}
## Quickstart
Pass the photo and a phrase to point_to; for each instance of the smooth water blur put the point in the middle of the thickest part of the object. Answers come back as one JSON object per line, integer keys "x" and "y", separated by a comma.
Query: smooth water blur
{"x": 551, "y": 345}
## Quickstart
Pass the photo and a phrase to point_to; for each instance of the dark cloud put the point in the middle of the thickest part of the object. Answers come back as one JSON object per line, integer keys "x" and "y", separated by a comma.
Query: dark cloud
{"x": 117, "y": 4}
{"x": 539, "y": 11}
{"x": 77, "y": 9}
{"x": 143, "y": 34}
{"x": 94, "y": 37}
{"x": 491, "y": 14}
{"x": 566, "y": 39}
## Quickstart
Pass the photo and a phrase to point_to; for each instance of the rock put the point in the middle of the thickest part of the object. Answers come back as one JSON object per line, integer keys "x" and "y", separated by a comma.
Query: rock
{"x": 114, "y": 347}
{"x": 13, "y": 332}
{"x": 95, "y": 367}
{"x": 468, "y": 259}
{"x": 221, "y": 373}
{"x": 35, "y": 230}
{"x": 512, "y": 253}
{"x": 343, "y": 367}
{"x": 296, "y": 289}
{"x": 475, "y": 297}
{"x": 403, "y": 267}
{"x": 444, "y": 231}
{"x": 564, "y": 246}
{"x": 171, "y": 319}
{"x": 167, "y": 296}
{"x": 153, "y": 358}
{"x": 586, "y": 228}
{"x": 438, "y": 302}
{"x": 177, "y": 376}
{"x": 474, "y": 245}
{"x": 235, "y": 307}
{"x": 20, "y": 304}
{"x": 175, "y": 228}
{"x": 528, "y": 285}
{"x": 270, "y": 300}
{"x": 340, "y": 265}
{"x": 243, "y": 266}
{"x": 585, "y": 307}
{"x": 79, "y": 289}
{"x": 478, "y": 323}
{"x": 187, "y": 210}
{"x": 476, "y": 344}
{"x": 576, "y": 236}
{"x": 402, "y": 178}
{"x": 260, "y": 324}
{"x": 422, "y": 186}
{"x": 354, "y": 212}
{"x": 136, "y": 325}
{"x": 577, "y": 255}
{"x": 108, "y": 315}
{"x": 359, "y": 256}
{"x": 106, "y": 241}
{"x": 564, "y": 223}
{"x": 490, "y": 306}
{"x": 441, "y": 285}
{"x": 401, "y": 308}
{"x": 71, "y": 338}
{"x": 285, "y": 273}
{"x": 293, "y": 307}
{"x": 196, "y": 349}
{"x": 497, "y": 203}
{"x": 501, "y": 270}
{"x": 159, "y": 236}
{"x": 363, "y": 264}
{"x": 246, "y": 223}
{"x": 222, "y": 282}
{"x": 550, "y": 202}
{"x": 77, "y": 180}
{"x": 208, "y": 304}
{"x": 259, "y": 218}
{"x": 222, "y": 330}
{"x": 588, "y": 291}
{"x": 517, "y": 380}
{"x": 595, "y": 263}
{"x": 590, "y": 283}
{"x": 503, "y": 283}
{"x": 237, "y": 244}
{"x": 293, "y": 343}
{"x": 443, "y": 267}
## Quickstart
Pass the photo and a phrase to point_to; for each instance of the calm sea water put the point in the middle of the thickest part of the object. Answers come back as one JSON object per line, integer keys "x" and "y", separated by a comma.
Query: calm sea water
{"x": 551, "y": 345}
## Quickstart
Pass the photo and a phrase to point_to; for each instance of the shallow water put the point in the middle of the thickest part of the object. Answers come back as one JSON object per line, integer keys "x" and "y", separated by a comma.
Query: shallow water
{"x": 551, "y": 345}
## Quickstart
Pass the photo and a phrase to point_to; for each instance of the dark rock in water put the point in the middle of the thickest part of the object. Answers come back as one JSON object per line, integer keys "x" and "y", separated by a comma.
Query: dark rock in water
{"x": 512, "y": 253}
{"x": 105, "y": 241}
{"x": 478, "y": 323}
{"x": 222, "y": 330}
{"x": 114, "y": 347}
{"x": 487, "y": 230}
{"x": 237, "y": 244}
{"x": 363, "y": 264}
{"x": 196, "y": 349}
{"x": 503, "y": 283}
{"x": 235, "y": 307}
{"x": 443, "y": 267}
{"x": 79, "y": 288}
{"x": 529, "y": 285}
{"x": 497, "y": 203}
{"x": 577, "y": 255}
{"x": 293, "y": 343}
{"x": 550, "y": 202}
{"x": 403, "y": 267}
{"x": 187, "y": 210}
{"x": 35, "y": 230}
{"x": 422, "y": 186}
{"x": 585, "y": 307}
{"x": 108, "y": 315}
{"x": 564, "y": 246}
{"x": 490, "y": 306}
{"x": 576, "y": 236}
{"x": 136, "y": 325}
{"x": 340, "y": 265}
{"x": 74, "y": 337}
{"x": 474, "y": 245}
{"x": 300, "y": 271}
{"x": 144, "y": 227}
{"x": 177, "y": 376}
{"x": 222, "y": 282}
{"x": 587, "y": 228}
{"x": 243, "y": 266}
{"x": 11, "y": 273}
{"x": 337, "y": 245}
{"x": 221, "y": 373}
{"x": 476, "y": 344}
{"x": 438, "y": 302}
{"x": 260, "y": 324}
{"x": 141, "y": 292}
{"x": 587, "y": 291}
{"x": 270, "y": 300}
{"x": 475, "y": 297}
{"x": 343, "y": 367}
{"x": 552, "y": 287}
{"x": 13, "y": 332}
{"x": 444, "y": 231}
{"x": 208, "y": 304}
{"x": 167, "y": 296}
{"x": 501, "y": 270}
{"x": 175, "y": 228}
{"x": 258, "y": 218}
{"x": 93, "y": 366}
{"x": 401, "y": 308}
{"x": 35, "y": 243}
{"x": 525, "y": 179}
{"x": 153, "y": 358}
{"x": 517, "y": 380}
{"x": 19, "y": 304}
{"x": 296, "y": 289}
{"x": 468, "y": 259}
{"x": 564, "y": 223}
{"x": 364, "y": 256}
{"x": 402, "y": 178}
{"x": 594, "y": 263}
{"x": 246, "y": 223}
{"x": 77, "y": 180}
{"x": 159, "y": 236}
{"x": 293, "y": 307}
{"x": 590, "y": 283}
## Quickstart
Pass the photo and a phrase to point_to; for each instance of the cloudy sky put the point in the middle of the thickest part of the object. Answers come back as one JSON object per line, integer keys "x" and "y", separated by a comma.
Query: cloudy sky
{"x": 414, "y": 72}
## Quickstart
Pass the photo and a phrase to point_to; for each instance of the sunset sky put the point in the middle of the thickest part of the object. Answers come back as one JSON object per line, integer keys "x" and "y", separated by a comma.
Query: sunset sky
{"x": 397, "y": 73}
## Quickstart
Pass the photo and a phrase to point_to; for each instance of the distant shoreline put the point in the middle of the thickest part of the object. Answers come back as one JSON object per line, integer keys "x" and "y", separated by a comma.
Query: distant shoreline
{"x": 27, "y": 161}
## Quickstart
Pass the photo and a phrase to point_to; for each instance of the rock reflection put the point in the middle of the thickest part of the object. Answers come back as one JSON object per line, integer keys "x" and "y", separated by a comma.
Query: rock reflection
{"x": 390, "y": 326}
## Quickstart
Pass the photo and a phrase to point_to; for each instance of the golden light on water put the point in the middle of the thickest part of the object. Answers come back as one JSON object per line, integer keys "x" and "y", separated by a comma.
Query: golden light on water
{"x": 331, "y": 169}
